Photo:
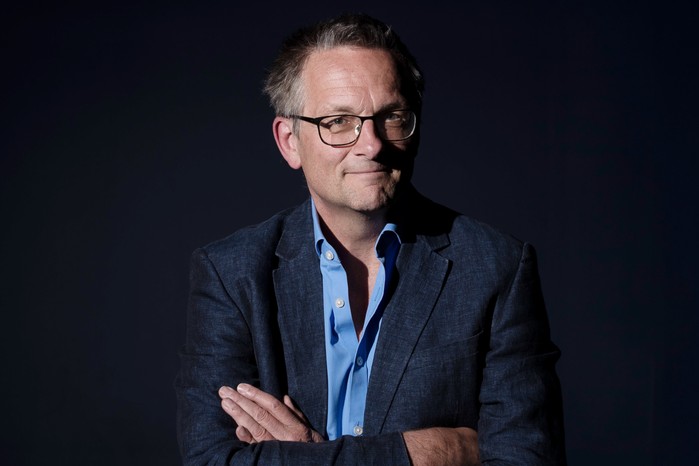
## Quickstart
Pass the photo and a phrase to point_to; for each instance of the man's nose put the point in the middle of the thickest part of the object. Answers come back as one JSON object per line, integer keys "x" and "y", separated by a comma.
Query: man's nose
{"x": 369, "y": 143}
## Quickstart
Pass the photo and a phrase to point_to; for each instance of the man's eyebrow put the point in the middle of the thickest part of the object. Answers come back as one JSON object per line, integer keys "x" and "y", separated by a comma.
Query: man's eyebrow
{"x": 394, "y": 106}
{"x": 344, "y": 110}
{"x": 338, "y": 110}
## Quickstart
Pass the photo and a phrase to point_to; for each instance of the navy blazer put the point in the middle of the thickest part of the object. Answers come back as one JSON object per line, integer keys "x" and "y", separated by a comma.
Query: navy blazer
{"x": 464, "y": 342}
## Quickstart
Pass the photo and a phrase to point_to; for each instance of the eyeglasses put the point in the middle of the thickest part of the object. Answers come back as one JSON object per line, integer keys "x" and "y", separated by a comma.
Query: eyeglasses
{"x": 344, "y": 130}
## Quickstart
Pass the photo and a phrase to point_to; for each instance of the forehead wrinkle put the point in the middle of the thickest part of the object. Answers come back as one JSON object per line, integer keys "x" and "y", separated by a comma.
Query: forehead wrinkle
{"x": 352, "y": 99}
{"x": 335, "y": 86}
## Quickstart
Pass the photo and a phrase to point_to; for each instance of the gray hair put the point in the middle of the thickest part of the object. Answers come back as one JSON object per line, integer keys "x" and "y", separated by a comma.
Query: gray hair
{"x": 283, "y": 84}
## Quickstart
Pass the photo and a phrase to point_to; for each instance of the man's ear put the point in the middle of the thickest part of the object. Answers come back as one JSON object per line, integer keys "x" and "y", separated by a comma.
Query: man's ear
{"x": 287, "y": 141}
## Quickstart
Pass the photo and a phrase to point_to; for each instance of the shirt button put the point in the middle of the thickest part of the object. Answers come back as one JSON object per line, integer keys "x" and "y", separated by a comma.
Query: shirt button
{"x": 358, "y": 430}
{"x": 329, "y": 255}
{"x": 340, "y": 303}
{"x": 360, "y": 361}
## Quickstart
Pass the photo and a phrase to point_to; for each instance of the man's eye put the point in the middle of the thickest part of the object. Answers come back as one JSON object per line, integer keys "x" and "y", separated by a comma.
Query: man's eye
{"x": 338, "y": 124}
{"x": 338, "y": 121}
{"x": 393, "y": 119}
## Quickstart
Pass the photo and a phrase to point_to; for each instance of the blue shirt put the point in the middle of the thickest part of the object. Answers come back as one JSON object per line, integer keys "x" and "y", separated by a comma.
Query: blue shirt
{"x": 349, "y": 360}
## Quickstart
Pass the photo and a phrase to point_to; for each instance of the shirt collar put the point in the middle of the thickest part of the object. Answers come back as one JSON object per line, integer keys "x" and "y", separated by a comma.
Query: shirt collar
{"x": 388, "y": 236}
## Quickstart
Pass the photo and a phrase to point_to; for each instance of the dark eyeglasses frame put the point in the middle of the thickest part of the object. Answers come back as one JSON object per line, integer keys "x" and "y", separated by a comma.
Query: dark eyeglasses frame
{"x": 316, "y": 121}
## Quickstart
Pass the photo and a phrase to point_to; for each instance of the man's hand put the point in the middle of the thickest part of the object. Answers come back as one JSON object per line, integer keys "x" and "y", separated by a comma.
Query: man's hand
{"x": 260, "y": 416}
{"x": 439, "y": 446}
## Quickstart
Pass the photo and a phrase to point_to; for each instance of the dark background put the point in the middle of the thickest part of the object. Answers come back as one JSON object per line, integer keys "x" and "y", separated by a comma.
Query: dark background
{"x": 132, "y": 135}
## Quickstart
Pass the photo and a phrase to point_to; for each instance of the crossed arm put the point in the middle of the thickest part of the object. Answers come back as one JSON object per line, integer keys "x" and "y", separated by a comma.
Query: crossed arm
{"x": 261, "y": 417}
{"x": 519, "y": 412}
{"x": 267, "y": 427}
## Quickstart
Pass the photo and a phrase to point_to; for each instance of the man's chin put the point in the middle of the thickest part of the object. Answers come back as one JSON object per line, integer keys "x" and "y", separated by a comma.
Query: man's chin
{"x": 378, "y": 203}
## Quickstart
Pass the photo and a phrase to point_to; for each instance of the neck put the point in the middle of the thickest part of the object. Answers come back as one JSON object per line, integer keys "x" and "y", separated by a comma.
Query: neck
{"x": 354, "y": 233}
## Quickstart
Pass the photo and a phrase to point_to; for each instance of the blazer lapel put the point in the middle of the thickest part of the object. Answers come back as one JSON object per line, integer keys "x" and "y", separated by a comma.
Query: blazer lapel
{"x": 421, "y": 273}
{"x": 299, "y": 292}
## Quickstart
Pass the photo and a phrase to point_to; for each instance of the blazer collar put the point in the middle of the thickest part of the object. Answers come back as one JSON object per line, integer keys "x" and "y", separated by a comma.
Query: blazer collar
{"x": 421, "y": 273}
{"x": 297, "y": 233}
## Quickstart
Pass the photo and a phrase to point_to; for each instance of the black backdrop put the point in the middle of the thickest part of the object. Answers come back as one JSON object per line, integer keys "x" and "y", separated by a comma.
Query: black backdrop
{"x": 132, "y": 135}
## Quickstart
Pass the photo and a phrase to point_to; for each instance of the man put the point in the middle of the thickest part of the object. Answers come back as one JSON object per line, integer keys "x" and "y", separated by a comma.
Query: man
{"x": 368, "y": 325}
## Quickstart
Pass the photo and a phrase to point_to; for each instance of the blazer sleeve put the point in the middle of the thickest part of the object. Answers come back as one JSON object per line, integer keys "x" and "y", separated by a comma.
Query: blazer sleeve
{"x": 521, "y": 420}
{"x": 219, "y": 349}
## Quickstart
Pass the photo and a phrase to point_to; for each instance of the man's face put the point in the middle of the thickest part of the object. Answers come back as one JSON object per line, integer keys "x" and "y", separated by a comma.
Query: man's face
{"x": 363, "y": 177}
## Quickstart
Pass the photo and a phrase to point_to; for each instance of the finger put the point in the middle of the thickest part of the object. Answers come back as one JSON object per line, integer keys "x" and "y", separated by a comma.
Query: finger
{"x": 258, "y": 412}
{"x": 225, "y": 392}
{"x": 290, "y": 404}
{"x": 263, "y": 424}
{"x": 244, "y": 435}
{"x": 251, "y": 411}
{"x": 314, "y": 436}
{"x": 274, "y": 410}
{"x": 244, "y": 419}
{"x": 281, "y": 420}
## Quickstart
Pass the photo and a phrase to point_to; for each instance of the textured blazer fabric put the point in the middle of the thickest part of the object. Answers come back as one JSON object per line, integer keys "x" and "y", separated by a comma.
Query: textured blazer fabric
{"x": 464, "y": 342}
